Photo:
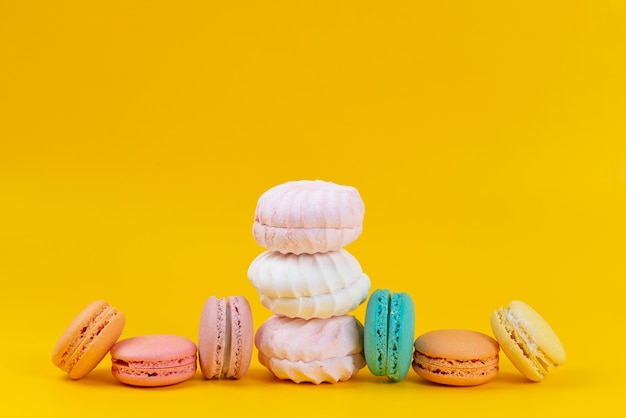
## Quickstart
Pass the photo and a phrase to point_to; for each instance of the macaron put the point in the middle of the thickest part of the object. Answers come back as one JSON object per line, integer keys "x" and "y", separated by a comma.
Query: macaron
{"x": 308, "y": 216}
{"x": 307, "y": 286}
{"x": 388, "y": 334}
{"x": 314, "y": 351}
{"x": 456, "y": 357}
{"x": 88, "y": 338}
{"x": 153, "y": 360}
{"x": 527, "y": 340}
{"x": 225, "y": 337}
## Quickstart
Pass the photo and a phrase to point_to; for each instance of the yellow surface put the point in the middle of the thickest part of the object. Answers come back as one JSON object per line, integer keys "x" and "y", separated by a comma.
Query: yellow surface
{"x": 487, "y": 139}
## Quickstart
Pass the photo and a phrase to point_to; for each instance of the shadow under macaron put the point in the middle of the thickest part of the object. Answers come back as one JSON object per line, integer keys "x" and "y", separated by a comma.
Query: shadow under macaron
{"x": 502, "y": 378}
{"x": 95, "y": 378}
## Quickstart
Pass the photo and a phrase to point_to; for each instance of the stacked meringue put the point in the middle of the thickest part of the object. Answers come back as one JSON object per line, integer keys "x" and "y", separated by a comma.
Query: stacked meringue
{"x": 309, "y": 281}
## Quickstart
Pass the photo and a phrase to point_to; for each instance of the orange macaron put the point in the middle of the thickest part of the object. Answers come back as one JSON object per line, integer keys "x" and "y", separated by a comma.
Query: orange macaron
{"x": 456, "y": 357}
{"x": 88, "y": 338}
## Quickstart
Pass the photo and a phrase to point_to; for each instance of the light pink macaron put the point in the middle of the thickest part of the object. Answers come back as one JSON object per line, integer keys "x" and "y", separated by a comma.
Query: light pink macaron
{"x": 308, "y": 216}
{"x": 225, "y": 337}
{"x": 153, "y": 360}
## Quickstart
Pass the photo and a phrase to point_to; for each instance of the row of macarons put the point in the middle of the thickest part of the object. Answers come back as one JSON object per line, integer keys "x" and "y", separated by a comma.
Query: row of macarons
{"x": 315, "y": 350}
{"x": 223, "y": 348}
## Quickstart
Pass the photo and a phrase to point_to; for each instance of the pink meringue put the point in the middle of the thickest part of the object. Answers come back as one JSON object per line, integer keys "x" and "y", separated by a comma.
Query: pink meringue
{"x": 314, "y": 350}
{"x": 308, "y": 216}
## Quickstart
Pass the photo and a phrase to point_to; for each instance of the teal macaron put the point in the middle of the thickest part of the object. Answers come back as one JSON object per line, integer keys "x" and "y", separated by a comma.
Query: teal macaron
{"x": 388, "y": 334}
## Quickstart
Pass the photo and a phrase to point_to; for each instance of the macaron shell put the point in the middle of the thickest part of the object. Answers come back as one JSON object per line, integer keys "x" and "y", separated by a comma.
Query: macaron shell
{"x": 154, "y": 349}
{"x": 457, "y": 344}
{"x": 375, "y": 331}
{"x": 242, "y": 337}
{"x": 400, "y": 336}
{"x": 212, "y": 337}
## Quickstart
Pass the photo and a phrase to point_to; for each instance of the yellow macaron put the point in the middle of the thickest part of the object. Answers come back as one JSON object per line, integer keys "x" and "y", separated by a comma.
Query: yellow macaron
{"x": 527, "y": 340}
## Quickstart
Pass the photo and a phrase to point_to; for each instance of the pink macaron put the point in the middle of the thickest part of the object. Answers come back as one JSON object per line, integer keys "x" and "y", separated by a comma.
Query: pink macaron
{"x": 225, "y": 337}
{"x": 153, "y": 360}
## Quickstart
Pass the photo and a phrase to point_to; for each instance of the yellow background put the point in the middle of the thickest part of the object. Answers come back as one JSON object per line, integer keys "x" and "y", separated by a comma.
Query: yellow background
{"x": 487, "y": 139}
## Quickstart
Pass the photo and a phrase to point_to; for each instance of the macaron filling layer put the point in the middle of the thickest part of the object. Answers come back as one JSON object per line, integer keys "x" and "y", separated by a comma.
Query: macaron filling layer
{"x": 227, "y": 341}
{"x": 155, "y": 376}
{"x": 516, "y": 328}
{"x": 222, "y": 345}
{"x": 88, "y": 333}
{"x": 393, "y": 337}
{"x": 154, "y": 364}
{"x": 473, "y": 367}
